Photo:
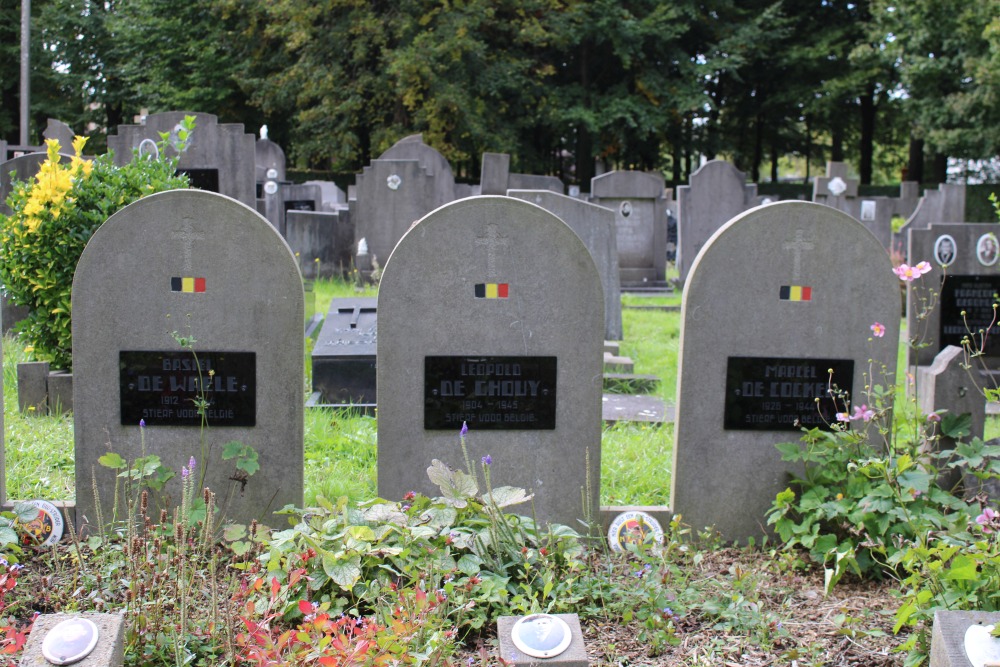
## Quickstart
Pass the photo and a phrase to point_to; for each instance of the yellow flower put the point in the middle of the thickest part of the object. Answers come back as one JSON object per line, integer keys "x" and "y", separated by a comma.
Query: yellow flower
{"x": 78, "y": 143}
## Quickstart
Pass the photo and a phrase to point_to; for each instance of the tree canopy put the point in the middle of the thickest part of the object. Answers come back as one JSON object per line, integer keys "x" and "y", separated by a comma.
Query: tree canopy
{"x": 558, "y": 84}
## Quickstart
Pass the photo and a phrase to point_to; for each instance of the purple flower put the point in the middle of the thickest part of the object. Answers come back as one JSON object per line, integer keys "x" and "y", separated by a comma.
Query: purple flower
{"x": 465, "y": 429}
{"x": 487, "y": 460}
{"x": 184, "y": 472}
{"x": 191, "y": 464}
{"x": 142, "y": 423}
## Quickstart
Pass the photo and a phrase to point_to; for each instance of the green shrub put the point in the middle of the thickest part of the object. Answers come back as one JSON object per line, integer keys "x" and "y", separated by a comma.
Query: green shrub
{"x": 52, "y": 218}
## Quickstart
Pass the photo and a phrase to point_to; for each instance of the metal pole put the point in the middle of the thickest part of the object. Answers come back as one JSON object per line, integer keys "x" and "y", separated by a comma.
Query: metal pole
{"x": 25, "y": 69}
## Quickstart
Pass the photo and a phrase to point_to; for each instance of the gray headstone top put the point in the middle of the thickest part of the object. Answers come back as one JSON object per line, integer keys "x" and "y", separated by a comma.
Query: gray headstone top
{"x": 56, "y": 129}
{"x": 768, "y": 288}
{"x": 636, "y": 184}
{"x": 414, "y": 148}
{"x": 504, "y": 281}
{"x": 495, "y": 170}
{"x": 219, "y": 155}
{"x": 717, "y": 193}
{"x": 595, "y": 225}
{"x": 205, "y": 266}
{"x": 23, "y": 168}
{"x": 269, "y": 156}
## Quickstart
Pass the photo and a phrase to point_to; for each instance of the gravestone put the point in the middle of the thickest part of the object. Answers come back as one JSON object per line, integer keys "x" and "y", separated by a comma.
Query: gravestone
{"x": 343, "y": 358}
{"x": 639, "y": 200}
{"x": 23, "y": 168}
{"x": 595, "y": 225}
{"x": 269, "y": 161}
{"x": 768, "y": 310}
{"x": 717, "y": 193}
{"x": 405, "y": 183}
{"x": 836, "y": 189}
{"x": 220, "y": 157}
{"x": 535, "y": 182}
{"x": 875, "y": 213}
{"x": 200, "y": 265}
{"x": 970, "y": 251}
{"x": 325, "y": 236}
{"x": 491, "y": 314}
{"x": 947, "y": 386}
{"x": 946, "y": 204}
{"x": 60, "y": 131}
{"x": 495, "y": 169}
{"x": 332, "y": 196}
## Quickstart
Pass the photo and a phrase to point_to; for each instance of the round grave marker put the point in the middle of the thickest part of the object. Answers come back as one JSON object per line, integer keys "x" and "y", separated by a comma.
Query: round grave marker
{"x": 981, "y": 647}
{"x": 541, "y": 635}
{"x": 70, "y": 641}
{"x": 46, "y": 529}
{"x": 634, "y": 528}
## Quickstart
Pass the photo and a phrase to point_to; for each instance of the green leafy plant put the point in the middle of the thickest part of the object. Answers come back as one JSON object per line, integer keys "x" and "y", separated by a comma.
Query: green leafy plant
{"x": 53, "y": 217}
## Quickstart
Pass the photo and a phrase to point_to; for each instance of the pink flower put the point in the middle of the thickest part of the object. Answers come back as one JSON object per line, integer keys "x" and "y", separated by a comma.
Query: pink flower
{"x": 911, "y": 273}
{"x": 987, "y": 519}
{"x": 863, "y": 412}
{"x": 843, "y": 417}
{"x": 933, "y": 417}
{"x": 878, "y": 330}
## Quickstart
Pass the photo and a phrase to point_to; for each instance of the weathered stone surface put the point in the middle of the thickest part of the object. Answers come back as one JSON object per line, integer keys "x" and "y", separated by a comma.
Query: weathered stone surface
{"x": 246, "y": 323}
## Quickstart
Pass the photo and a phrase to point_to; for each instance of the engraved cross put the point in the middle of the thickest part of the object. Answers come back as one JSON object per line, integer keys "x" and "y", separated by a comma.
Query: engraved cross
{"x": 492, "y": 240}
{"x": 187, "y": 236}
{"x": 797, "y": 246}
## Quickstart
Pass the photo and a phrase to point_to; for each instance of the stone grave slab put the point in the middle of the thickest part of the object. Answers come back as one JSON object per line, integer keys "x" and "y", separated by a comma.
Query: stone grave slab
{"x": 759, "y": 337}
{"x": 491, "y": 314}
{"x": 718, "y": 191}
{"x": 198, "y": 265}
{"x": 948, "y": 635}
{"x": 343, "y": 358}
{"x": 639, "y": 200}
{"x": 970, "y": 253}
{"x": 109, "y": 651}
{"x": 595, "y": 225}
{"x": 575, "y": 655}
{"x": 220, "y": 156}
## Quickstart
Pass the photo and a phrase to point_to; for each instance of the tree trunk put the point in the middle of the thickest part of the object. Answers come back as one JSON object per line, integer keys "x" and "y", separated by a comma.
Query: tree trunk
{"x": 868, "y": 111}
{"x": 837, "y": 142}
{"x": 915, "y": 165}
{"x": 940, "y": 174}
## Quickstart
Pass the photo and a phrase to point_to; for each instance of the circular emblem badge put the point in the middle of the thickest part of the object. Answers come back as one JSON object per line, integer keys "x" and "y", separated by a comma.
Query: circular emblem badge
{"x": 541, "y": 635}
{"x": 70, "y": 641}
{"x": 836, "y": 186}
{"x": 634, "y": 528}
{"x": 46, "y": 529}
{"x": 626, "y": 209}
{"x": 148, "y": 148}
{"x": 987, "y": 249}
{"x": 394, "y": 182}
{"x": 945, "y": 249}
{"x": 271, "y": 187}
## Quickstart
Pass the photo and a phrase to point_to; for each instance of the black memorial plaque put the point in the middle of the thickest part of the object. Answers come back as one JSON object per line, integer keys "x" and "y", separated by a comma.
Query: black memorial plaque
{"x": 972, "y": 295}
{"x": 162, "y": 388}
{"x": 490, "y": 393}
{"x": 300, "y": 205}
{"x": 202, "y": 179}
{"x": 774, "y": 394}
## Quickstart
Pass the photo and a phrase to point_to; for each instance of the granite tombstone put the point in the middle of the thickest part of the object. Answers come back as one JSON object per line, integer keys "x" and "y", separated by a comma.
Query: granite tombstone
{"x": 965, "y": 275}
{"x": 595, "y": 225}
{"x": 203, "y": 267}
{"x": 762, "y": 338}
{"x": 639, "y": 201}
{"x": 718, "y": 192}
{"x": 491, "y": 314}
{"x": 220, "y": 157}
